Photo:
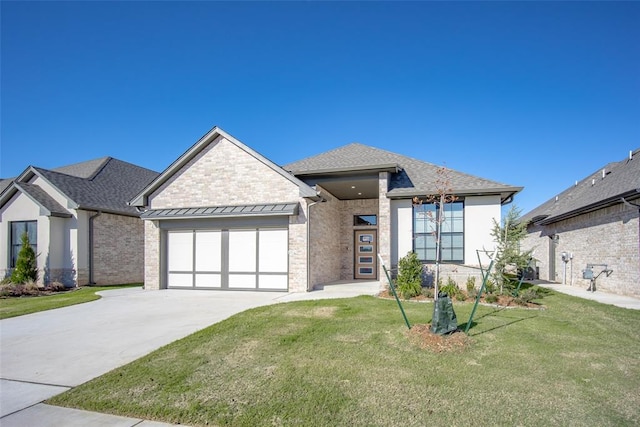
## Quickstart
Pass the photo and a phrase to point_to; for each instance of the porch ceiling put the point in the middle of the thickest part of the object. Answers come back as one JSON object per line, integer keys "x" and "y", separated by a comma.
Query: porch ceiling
{"x": 348, "y": 188}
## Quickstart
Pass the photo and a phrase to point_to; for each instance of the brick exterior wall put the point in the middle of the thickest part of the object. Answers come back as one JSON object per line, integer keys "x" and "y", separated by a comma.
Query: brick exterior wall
{"x": 118, "y": 249}
{"x": 606, "y": 236}
{"x": 225, "y": 174}
{"x": 384, "y": 226}
{"x": 325, "y": 239}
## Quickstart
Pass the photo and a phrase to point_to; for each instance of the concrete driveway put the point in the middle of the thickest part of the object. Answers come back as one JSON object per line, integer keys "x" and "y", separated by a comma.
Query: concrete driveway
{"x": 46, "y": 353}
{"x": 43, "y": 354}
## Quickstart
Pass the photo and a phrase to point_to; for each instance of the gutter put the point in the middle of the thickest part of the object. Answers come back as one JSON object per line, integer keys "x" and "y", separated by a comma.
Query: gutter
{"x": 91, "y": 219}
{"x": 610, "y": 201}
{"x": 321, "y": 200}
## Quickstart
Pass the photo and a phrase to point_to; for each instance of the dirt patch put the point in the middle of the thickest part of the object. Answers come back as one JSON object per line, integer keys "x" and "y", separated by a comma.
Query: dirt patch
{"x": 319, "y": 312}
{"x": 421, "y": 336}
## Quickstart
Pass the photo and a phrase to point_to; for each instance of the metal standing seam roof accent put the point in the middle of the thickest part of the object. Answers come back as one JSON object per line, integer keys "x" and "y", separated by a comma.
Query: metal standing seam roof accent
{"x": 272, "y": 209}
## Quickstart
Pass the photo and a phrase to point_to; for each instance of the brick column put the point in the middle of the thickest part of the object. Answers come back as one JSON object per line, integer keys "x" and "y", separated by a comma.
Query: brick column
{"x": 151, "y": 255}
{"x": 384, "y": 226}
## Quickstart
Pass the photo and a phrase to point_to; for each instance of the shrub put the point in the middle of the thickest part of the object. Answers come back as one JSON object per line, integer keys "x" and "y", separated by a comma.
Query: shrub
{"x": 409, "y": 281}
{"x": 471, "y": 284}
{"x": 26, "y": 268}
{"x": 527, "y": 296}
{"x": 491, "y": 298}
{"x": 427, "y": 292}
{"x": 490, "y": 287}
{"x": 451, "y": 288}
{"x": 56, "y": 287}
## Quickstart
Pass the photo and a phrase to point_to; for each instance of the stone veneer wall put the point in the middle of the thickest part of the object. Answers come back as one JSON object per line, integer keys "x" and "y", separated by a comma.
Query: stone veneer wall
{"x": 118, "y": 249}
{"x": 384, "y": 226}
{"x": 607, "y": 236}
{"x": 325, "y": 240}
{"x": 224, "y": 174}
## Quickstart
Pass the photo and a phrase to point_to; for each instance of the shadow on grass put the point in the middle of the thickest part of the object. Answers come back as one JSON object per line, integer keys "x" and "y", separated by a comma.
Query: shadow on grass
{"x": 474, "y": 322}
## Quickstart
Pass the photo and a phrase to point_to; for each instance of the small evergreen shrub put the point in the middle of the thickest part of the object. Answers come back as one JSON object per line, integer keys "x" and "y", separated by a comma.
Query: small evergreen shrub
{"x": 471, "y": 283}
{"x": 491, "y": 298}
{"x": 409, "y": 281}
{"x": 26, "y": 269}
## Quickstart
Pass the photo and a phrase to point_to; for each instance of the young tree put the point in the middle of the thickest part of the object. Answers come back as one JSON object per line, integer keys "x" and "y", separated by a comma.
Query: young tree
{"x": 508, "y": 236}
{"x": 440, "y": 199}
{"x": 26, "y": 267}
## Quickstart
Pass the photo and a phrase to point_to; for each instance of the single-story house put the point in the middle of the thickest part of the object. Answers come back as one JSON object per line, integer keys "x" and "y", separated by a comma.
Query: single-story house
{"x": 223, "y": 216}
{"x": 595, "y": 221}
{"x": 78, "y": 222}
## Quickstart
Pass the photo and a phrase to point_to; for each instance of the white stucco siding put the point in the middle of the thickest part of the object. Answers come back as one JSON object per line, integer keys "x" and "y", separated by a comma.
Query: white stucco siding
{"x": 401, "y": 229}
{"x": 224, "y": 174}
{"x": 479, "y": 213}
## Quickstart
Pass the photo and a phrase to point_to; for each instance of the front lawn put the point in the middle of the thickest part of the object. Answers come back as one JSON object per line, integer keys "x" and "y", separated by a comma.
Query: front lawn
{"x": 349, "y": 363}
{"x": 17, "y": 306}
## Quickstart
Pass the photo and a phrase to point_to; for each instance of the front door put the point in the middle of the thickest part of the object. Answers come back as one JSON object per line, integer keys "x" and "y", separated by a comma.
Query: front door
{"x": 365, "y": 250}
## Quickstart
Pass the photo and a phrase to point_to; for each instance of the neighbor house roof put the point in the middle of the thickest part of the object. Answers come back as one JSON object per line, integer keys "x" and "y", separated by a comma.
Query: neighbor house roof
{"x": 140, "y": 199}
{"x": 104, "y": 184}
{"x": 605, "y": 187}
{"x": 409, "y": 176}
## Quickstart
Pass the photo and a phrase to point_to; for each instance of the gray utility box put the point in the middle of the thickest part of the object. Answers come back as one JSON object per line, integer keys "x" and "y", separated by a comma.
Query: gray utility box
{"x": 587, "y": 273}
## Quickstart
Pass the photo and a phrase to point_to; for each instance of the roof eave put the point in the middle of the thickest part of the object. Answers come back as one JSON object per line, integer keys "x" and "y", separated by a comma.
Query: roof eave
{"x": 387, "y": 167}
{"x": 505, "y": 193}
{"x": 610, "y": 201}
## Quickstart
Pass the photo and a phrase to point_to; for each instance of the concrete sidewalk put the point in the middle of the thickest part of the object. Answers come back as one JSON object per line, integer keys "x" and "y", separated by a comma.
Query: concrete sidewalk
{"x": 599, "y": 296}
{"x": 44, "y": 354}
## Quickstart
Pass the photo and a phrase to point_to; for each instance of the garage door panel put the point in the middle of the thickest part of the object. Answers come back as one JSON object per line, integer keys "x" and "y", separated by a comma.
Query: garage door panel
{"x": 209, "y": 251}
{"x": 273, "y": 251}
{"x": 181, "y": 280}
{"x": 242, "y": 280}
{"x": 208, "y": 280}
{"x": 272, "y": 281}
{"x": 180, "y": 246}
{"x": 242, "y": 250}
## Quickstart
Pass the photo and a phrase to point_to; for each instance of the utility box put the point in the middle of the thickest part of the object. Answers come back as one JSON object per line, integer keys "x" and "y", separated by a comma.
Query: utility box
{"x": 587, "y": 273}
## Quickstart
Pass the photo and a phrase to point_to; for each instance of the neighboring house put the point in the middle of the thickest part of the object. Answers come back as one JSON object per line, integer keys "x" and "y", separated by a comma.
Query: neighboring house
{"x": 78, "y": 222}
{"x": 224, "y": 217}
{"x": 595, "y": 221}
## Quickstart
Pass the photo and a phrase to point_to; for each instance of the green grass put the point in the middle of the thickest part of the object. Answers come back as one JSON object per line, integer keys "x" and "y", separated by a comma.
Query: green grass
{"x": 348, "y": 363}
{"x": 18, "y": 306}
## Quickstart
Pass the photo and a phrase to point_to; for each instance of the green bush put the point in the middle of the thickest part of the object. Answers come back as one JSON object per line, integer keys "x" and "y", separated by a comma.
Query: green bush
{"x": 527, "y": 296}
{"x": 471, "y": 283}
{"x": 409, "y": 281}
{"x": 491, "y": 298}
{"x": 26, "y": 269}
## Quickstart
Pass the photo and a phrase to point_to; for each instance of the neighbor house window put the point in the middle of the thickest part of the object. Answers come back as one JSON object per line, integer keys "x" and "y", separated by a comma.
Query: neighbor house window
{"x": 425, "y": 228}
{"x": 365, "y": 219}
{"x": 18, "y": 228}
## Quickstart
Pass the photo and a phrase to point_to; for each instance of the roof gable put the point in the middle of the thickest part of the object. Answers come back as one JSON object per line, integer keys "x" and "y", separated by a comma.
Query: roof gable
{"x": 104, "y": 184}
{"x": 604, "y": 187}
{"x": 141, "y": 199}
{"x": 47, "y": 204}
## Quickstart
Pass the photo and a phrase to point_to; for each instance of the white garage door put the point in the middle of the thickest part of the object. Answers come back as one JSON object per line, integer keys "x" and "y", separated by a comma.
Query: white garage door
{"x": 228, "y": 259}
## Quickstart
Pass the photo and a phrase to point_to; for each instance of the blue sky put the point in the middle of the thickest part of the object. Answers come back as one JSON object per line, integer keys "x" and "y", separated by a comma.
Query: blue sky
{"x": 533, "y": 94}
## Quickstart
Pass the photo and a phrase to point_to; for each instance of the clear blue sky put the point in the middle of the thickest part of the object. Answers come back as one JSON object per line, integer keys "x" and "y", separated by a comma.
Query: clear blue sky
{"x": 533, "y": 94}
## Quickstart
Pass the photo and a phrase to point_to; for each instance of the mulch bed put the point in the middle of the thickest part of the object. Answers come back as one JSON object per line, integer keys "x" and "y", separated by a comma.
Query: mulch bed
{"x": 422, "y": 337}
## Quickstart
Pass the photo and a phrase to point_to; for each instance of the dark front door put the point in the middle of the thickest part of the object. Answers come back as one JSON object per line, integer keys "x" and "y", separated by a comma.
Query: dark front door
{"x": 365, "y": 250}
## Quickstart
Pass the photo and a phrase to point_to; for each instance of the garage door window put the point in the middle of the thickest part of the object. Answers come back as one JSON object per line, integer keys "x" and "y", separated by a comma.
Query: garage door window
{"x": 229, "y": 259}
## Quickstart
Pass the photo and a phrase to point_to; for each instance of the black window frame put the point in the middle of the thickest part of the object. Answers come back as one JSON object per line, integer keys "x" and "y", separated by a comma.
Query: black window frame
{"x": 447, "y": 250}
{"x": 363, "y": 220}
{"x": 15, "y": 241}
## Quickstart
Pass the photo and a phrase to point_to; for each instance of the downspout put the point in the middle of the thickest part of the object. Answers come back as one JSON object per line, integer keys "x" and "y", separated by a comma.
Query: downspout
{"x": 309, "y": 241}
{"x": 91, "y": 219}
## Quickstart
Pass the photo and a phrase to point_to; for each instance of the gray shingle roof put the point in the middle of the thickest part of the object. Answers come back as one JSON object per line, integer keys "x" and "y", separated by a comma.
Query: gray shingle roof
{"x": 52, "y": 207}
{"x": 621, "y": 179}
{"x": 86, "y": 169}
{"x": 223, "y": 211}
{"x": 4, "y": 183}
{"x": 111, "y": 184}
{"x": 416, "y": 177}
